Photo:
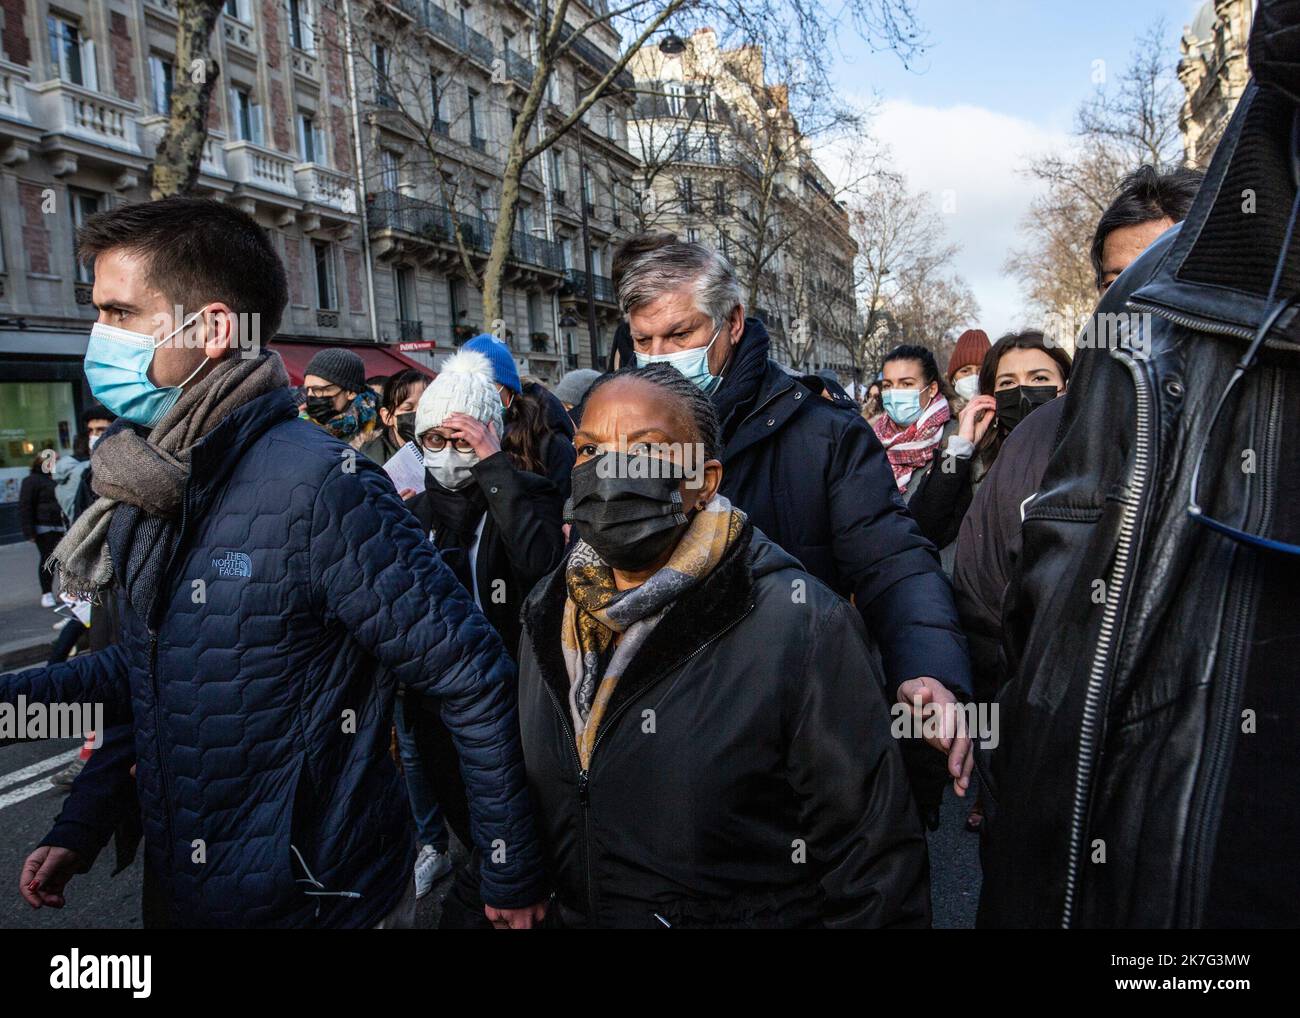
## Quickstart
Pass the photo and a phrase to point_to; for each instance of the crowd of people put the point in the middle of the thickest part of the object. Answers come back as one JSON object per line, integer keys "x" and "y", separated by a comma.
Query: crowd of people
{"x": 684, "y": 642}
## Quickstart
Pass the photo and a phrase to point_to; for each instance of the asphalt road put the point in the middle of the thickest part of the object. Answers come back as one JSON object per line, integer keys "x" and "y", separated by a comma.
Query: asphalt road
{"x": 29, "y": 804}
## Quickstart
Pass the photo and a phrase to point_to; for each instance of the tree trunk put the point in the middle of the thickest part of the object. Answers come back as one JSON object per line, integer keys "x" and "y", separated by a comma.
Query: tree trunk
{"x": 194, "y": 75}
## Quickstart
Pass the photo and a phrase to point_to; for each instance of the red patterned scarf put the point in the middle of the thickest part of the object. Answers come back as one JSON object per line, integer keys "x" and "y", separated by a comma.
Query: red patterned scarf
{"x": 911, "y": 448}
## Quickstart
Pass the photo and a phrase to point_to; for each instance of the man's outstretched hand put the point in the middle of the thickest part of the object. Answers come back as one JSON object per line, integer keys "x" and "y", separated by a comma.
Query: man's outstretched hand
{"x": 925, "y": 696}
{"x": 45, "y": 874}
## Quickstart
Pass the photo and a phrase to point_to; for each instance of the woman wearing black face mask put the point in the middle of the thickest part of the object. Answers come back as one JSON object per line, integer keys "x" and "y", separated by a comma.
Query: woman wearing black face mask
{"x": 1019, "y": 373}
{"x": 705, "y": 727}
{"x": 497, "y": 524}
{"x": 397, "y": 405}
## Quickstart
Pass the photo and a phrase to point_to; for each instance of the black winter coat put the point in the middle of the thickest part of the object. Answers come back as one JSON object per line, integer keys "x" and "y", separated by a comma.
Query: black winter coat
{"x": 1137, "y": 634}
{"x": 38, "y": 505}
{"x": 745, "y": 774}
{"x": 988, "y": 544}
{"x": 522, "y": 541}
{"x": 815, "y": 479}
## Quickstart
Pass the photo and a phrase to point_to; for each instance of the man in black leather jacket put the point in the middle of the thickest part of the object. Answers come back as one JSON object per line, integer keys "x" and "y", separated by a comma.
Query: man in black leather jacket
{"x": 1148, "y": 738}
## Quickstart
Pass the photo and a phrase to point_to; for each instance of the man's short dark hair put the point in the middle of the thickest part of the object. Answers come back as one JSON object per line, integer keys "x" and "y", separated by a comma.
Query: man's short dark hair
{"x": 196, "y": 251}
{"x": 1143, "y": 196}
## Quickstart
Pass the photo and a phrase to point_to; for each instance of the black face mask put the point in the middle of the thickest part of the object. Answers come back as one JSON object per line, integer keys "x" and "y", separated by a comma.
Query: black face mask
{"x": 406, "y": 427}
{"x": 321, "y": 408}
{"x": 629, "y": 519}
{"x": 1017, "y": 403}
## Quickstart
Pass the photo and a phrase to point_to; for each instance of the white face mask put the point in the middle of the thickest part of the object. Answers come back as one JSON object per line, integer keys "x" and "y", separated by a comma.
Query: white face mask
{"x": 450, "y": 468}
{"x": 94, "y": 440}
{"x": 968, "y": 387}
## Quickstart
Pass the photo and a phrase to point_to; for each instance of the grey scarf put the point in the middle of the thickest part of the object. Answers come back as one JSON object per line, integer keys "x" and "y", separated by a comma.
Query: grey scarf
{"x": 151, "y": 473}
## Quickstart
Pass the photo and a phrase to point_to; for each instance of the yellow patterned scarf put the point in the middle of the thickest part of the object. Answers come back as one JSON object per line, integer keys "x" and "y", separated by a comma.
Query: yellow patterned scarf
{"x": 595, "y": 612}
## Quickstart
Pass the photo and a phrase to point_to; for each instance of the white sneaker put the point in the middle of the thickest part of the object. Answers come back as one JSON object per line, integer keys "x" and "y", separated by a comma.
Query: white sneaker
{"x": 430, "y": 865}
{"x": 47, "y": 600}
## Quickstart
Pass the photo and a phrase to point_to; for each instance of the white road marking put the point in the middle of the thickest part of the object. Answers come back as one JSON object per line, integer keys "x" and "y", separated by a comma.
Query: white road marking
{"x": 37, "y": 770}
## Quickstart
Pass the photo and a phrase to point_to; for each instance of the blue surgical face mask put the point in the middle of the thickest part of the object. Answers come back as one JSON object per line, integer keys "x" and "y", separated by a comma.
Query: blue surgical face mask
{"x": 902, "y": 405}
{"x": 693, "y": 363}
{"x": 117, "y": 368}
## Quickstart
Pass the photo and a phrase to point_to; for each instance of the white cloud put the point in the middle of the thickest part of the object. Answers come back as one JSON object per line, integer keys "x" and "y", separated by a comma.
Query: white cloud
{"x": 971, "y": 156}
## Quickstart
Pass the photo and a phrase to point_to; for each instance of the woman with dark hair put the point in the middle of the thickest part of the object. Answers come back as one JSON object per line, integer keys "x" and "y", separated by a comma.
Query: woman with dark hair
{"x": 917, "y": 416}
{"x": 872, "y": 407}
{"x": 703, "y": 749}
{"x": 1019, "y": 372}
{"x": 496, "y": 519}
{"x": 397, "y": 403}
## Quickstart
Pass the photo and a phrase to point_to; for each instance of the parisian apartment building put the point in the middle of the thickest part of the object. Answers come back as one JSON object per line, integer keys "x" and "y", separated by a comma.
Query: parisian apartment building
{"x": 714, "y": 137}
{"x": 85, "y": 88}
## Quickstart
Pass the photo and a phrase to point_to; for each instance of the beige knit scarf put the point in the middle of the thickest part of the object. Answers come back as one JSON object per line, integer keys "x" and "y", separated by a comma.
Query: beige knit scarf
{"x": 151, "y": 472}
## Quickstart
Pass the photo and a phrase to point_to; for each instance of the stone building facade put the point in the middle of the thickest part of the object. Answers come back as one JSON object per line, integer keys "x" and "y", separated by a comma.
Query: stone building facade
{"x": 84, "y": 92}
{"x": 1213, "y": 73}
{"x": 723, "y": 162}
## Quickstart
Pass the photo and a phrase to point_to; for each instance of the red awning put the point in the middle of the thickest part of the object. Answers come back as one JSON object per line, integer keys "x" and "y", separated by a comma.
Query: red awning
{"x": 379, "y": 359}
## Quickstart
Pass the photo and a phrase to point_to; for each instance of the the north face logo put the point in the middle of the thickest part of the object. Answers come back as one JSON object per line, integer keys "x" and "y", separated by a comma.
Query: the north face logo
{"x": 235, "y": 563}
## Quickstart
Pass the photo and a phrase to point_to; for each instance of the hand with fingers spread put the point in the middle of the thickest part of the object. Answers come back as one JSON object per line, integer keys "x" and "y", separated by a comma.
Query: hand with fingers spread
{"x": 926, "y": 697}
{"x": 483, "y": 438}
{"x": 46, "y": 874}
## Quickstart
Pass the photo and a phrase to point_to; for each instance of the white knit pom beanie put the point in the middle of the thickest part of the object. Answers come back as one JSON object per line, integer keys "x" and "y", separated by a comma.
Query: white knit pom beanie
{"x": 464, "y": 385}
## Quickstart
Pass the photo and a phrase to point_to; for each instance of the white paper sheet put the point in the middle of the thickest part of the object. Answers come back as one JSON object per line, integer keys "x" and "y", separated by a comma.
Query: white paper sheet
{"x": 406, "y": 468}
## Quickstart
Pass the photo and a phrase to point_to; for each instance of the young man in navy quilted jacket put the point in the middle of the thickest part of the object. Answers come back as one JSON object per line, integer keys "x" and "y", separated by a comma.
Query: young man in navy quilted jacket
{"x": 274, "y": 592}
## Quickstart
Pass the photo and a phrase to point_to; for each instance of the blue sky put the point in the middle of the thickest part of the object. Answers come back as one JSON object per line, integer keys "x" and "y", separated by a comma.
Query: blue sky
{"x": 1000, "y": 81}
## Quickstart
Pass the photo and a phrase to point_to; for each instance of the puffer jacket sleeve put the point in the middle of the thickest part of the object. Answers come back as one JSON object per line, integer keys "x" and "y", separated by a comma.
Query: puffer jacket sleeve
{"x": 893, "y": 571}
{"x": 863, "y": 828}
{"x": 374, "y": 572}
{"x": 98, "y": 678}
{"x": 101, "y": 796}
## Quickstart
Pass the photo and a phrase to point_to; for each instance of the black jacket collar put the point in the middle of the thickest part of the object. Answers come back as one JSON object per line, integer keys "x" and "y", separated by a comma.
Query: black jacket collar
{"x": 1216, "y": 267}
{"x": 700, "y": 615}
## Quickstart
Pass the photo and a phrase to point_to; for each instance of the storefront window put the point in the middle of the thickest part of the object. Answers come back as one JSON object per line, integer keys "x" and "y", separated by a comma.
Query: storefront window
{"x": 33, "y": 416}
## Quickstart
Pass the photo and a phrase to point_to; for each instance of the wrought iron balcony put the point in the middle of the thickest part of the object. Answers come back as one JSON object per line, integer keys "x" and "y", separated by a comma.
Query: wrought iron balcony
{"x": 604, "y": 286}
{"x": 409, "y": 331}
{"x": 390, "y": 210}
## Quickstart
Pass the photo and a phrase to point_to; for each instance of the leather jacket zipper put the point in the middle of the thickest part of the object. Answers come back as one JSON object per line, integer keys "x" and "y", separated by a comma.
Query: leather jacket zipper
{"x": 584, "y": 775}
{"x": 1099, "y": 670}
{"x": 1191, "y": 321}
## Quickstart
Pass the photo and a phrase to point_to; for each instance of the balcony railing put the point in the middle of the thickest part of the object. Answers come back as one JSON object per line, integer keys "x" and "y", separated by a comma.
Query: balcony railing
{"x": 13, "y": 91}
{"x": 409, "y": 331}
{"x": 597, "y": 60}
{"x": 214, "y": 155}
{"x": 260, "y": 167}
{"x": 323, "y": 186}
{"x": 604, "y": 286}
{"x": 536, "y": 251}
{"x": 520, "y": 70}
{"x": 70, "y": 109}
{"x": 478, "y": 144}
{"x": 390, "y": 210}
{"x": 438, "y": 22}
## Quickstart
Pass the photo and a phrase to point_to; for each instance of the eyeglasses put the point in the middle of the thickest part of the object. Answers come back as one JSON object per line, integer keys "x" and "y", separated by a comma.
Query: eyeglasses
{"x": 436, "y": 443}
{"x": 316, "y": 391}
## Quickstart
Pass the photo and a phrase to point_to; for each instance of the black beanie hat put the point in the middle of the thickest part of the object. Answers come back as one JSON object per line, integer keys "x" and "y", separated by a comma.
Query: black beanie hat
{"x": 342, "y": 367}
